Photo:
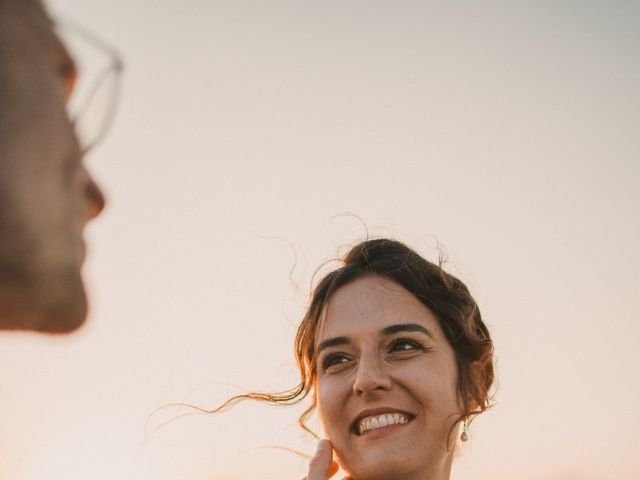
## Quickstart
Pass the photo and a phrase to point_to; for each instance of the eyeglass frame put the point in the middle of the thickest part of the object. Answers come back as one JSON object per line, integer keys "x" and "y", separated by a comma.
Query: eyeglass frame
{"x": 113, "y": 69}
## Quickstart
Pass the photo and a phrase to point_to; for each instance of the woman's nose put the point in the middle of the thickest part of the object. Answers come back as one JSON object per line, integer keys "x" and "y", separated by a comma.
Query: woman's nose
{"x": 371, "y": 376}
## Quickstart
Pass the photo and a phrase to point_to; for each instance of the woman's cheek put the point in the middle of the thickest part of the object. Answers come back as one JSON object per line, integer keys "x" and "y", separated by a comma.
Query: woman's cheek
{"x": 323, "y": 408}
{"x": 330, "y": 405}
{"x": 329, "y": 409}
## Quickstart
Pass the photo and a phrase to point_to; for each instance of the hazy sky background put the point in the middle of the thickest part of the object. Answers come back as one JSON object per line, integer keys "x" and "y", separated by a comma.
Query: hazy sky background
{"x": 506, "y": 132}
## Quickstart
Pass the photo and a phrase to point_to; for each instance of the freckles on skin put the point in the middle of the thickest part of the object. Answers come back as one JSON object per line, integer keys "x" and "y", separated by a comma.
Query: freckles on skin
{"x": 405, "y": 371}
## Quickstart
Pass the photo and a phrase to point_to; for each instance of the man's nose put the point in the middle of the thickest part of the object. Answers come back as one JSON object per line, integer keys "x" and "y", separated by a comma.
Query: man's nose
{"x": 95, "y": 199}
{"x": 371, "y": 376}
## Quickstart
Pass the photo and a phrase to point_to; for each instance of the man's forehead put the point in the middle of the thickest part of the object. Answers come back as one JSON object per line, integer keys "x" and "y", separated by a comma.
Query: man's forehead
{"x": 25, "y": 25}
{"x": 33, "y": 11}
{"x": 24, "y": 3}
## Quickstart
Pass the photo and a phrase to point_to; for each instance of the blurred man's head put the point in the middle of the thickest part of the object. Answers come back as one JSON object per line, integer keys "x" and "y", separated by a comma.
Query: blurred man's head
{"x": 46, "y": 194}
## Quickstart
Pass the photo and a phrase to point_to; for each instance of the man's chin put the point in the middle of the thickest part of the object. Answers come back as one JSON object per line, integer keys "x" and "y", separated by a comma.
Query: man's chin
{"x": 64, "y": 312}
{"x": 64, "y": 318}
{"x": 56, "y": 304}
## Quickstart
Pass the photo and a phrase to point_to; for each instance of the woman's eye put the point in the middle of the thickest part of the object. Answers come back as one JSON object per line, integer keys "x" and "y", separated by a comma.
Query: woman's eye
{"x": 334, "y": 359}
{"x": 406, "y": 345}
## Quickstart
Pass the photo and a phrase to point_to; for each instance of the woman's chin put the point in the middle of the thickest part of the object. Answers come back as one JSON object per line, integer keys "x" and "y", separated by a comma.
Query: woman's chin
{"x": 373, "y": 469}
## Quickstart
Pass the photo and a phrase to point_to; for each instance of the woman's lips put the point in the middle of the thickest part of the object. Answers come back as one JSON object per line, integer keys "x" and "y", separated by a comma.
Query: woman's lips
{"x": 371, "y": 421}
{"x": 381, "y": 421}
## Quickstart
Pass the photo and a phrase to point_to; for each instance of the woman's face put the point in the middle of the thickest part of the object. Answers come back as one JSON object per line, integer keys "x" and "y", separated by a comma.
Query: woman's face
{"x": 387, "y": 383}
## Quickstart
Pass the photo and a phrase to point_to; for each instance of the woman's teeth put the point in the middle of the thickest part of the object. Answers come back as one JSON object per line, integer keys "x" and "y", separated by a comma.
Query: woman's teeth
{"x": 379, "y": 421}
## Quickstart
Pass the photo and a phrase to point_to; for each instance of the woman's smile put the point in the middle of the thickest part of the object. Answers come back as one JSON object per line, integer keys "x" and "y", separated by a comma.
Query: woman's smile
{"x": 397, "y": 357}
{"x": 387, "y": 382}
{"x": 372, "y": 423}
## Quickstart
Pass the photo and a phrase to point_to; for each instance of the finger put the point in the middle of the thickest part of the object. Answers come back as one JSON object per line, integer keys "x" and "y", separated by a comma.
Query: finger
{"x": 321, "y": 466}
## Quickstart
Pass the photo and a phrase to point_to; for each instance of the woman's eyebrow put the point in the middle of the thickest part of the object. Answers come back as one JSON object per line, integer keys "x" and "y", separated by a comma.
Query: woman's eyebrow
{"x": 390, "y": 330}
{"x": 332, "y": 342}
{"x": 406, "y": 327}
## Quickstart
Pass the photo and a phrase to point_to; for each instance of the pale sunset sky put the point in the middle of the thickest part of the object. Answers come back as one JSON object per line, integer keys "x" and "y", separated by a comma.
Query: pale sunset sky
{"x": 252, "y": 142}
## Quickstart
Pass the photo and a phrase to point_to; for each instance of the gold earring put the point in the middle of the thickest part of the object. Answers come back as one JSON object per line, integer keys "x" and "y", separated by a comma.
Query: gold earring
{"x": 465, "y": 426}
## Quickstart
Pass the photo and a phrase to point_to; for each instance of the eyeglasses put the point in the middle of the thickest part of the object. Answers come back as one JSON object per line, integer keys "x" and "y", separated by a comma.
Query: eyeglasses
{"x": 92, "y": 104}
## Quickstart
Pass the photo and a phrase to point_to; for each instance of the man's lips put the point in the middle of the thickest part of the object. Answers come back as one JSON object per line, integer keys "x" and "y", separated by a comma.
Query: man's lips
{"x": 375, "y": 418}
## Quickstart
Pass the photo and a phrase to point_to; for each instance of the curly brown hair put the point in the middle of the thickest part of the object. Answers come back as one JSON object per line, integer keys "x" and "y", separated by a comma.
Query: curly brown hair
{"x": 445, "y": 295}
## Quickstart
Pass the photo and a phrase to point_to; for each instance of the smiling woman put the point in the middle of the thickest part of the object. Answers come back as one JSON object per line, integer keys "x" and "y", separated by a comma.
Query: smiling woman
{"x": 386, "y": 382}
{"x": 397, "y": 358}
